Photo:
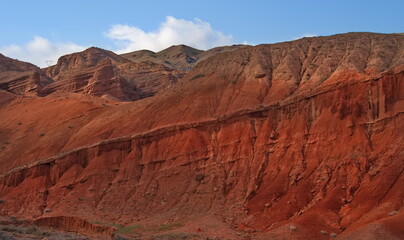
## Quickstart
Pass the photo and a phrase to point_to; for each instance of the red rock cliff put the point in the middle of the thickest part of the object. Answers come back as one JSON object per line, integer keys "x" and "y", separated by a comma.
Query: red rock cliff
{"x": 99, "y": 72}
{"x": 293, "y": 139}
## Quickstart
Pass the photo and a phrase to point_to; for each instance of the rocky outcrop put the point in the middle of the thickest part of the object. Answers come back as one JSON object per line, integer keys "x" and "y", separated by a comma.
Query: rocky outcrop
{"x": 76, "y": 62}
{"x": 253, "y": 141}
{"x": 100, "y": 72}
{"x": 101, "y": 80}
{"x": 21, "y": 77}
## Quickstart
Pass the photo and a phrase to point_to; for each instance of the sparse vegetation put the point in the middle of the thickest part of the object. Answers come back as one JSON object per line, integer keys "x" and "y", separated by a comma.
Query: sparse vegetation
{"x": 323, "y": 79}
{"x": 11, "y": 232}
{"x": 42, "y": 134}
{"x": 6, "y": 236}
{"x": 173, "y": 236}
{"x": 110, "y": 224}
{"x": 137, "y": 228}
{"x": 163, "y": 227}
{"x": 2, "y": 201}
{"x": 32, "y": 230}
{"x": 35, "y": 231}
{"x": 119, "y": 237}
{"x": 128, "y": 229}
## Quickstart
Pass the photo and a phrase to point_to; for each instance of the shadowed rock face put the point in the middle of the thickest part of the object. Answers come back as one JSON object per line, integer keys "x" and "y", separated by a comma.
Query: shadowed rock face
{"x": 180, "y": 57}
{"x": 295, "y": 140}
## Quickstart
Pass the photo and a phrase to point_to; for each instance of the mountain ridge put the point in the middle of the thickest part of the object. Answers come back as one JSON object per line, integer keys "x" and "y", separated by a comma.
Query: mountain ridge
{"x": 179, "y": 57}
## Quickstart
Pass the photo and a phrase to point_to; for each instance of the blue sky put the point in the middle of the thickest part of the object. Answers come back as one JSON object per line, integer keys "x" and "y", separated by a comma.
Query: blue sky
{"x": 36, "y": 31}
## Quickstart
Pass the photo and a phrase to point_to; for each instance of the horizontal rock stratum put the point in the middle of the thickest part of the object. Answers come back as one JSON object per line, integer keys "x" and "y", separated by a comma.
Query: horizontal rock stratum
{"x": 292, "y": 140}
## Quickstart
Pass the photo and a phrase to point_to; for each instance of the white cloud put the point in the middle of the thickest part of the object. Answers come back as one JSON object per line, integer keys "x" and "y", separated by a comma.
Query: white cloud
{"x": 40, "y": 50}
{"x": 173, "y": 31}
{"x": 305, "y": 35}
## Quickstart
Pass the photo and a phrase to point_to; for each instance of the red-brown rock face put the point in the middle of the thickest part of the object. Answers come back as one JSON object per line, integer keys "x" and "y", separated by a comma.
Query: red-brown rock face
{"x": 294, "y": 140}
{"x": 21, "y": 77}
{"x": 102, "y": 73}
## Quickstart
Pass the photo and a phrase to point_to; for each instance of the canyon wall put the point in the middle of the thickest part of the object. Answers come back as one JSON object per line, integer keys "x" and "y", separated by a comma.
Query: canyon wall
{"x": 327, "y": 161}
{"x": 262, "y": 137}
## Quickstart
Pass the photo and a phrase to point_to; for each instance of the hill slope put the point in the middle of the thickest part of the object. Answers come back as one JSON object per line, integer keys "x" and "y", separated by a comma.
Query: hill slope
{"x": 293, "y": 140}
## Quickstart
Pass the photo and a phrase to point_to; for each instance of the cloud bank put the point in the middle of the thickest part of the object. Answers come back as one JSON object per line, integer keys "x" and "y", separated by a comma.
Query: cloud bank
{"x": 197, "y": 33}
{"x": 305, "y": 35}
{"x": 40, "y": 50}
{"x": 172, "y": 31}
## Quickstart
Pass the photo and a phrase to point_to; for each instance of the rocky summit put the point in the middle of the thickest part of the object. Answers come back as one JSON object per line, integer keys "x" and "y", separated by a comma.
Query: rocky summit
{"x": 293, "y": 140}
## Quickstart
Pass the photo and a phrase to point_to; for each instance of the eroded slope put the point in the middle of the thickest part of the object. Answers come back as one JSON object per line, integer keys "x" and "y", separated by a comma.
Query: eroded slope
{"x": 247, "y": 138}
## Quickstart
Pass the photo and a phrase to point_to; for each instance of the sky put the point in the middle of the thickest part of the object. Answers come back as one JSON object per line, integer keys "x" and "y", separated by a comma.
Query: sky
{"x": 41, "y": 31}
